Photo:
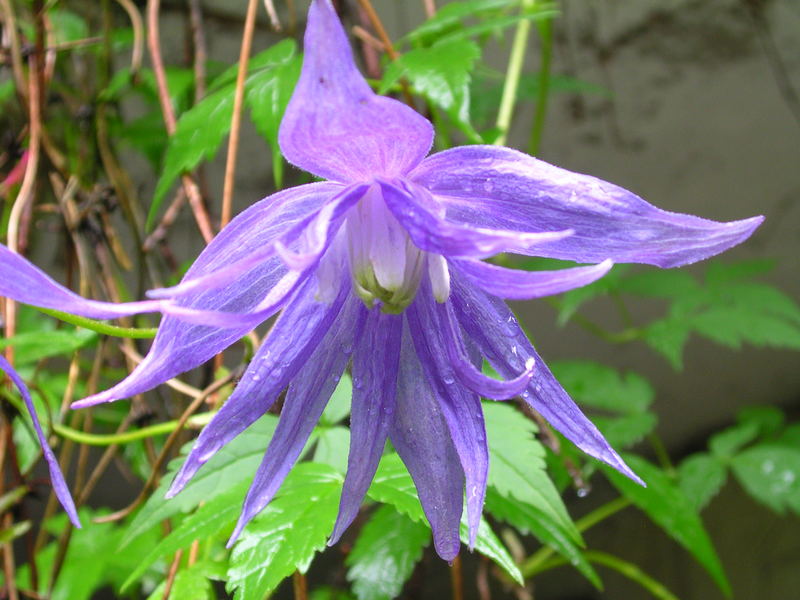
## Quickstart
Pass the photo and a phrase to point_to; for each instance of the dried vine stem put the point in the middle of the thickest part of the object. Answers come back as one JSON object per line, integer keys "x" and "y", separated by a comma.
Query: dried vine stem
{"x": 430, "y": 8}
{"x": 138, "y": 33}
{"x": 236, "y": 118}
{"x": 189, "y": 185}
{"x": 269, "y": 6}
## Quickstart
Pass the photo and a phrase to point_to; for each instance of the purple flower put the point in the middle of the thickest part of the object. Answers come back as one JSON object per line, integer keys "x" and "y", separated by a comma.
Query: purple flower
{"x": 379, "y": 267}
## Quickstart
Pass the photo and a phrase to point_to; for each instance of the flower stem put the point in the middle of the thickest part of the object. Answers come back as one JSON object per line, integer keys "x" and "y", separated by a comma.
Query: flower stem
{"x": 513, "y": 73}
{"x": 99, "y": 326}
{"x": 542, "y": 93}
{"x": 542, "y": 559}
{"x": 98, "y": 439}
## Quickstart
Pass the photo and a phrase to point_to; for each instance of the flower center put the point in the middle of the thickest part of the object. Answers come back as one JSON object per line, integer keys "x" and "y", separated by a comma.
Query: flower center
{"x": 386, "y": 266}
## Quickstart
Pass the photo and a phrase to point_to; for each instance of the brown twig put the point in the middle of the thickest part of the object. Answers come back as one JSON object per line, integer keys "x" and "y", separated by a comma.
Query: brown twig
{"x": 369, "y": 39}
{"x": 152, "y": 481}
{"x": 199, "y": 47}
{"x": 300, "y": 586}
{"x": 456, "y": 580}
{"x": 236, "y": 118}
{"x": 160, "y": 232}
{"x": 273, "y": 15}
{"x": 430, "y": 8}
{"x": 138, "y": 34}
{"x": 173, "y": 571}
{"x": 190, "y": 187}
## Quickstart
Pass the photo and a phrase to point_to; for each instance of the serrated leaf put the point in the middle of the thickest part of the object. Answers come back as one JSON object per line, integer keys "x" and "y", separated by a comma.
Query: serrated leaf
{"x": 726, "y": 443}
{"x": 488, "y": 544}
{"x": 450, "y": 16}
{"x": 528, "y": 519}
{"x": 734, "y": 325}
{"x": 701, "y": 477}
{"x": 285, "y": 537}
{"x": 189, "y": 584}
{"x": 599, "y": 386}
{"x": 771, "y": 474}
{"x": 442, "y": 74}
{"x": 385, "y": 553}
{"x": 32, "y": 346}
{"x": 660, "y": 283}
{"x": 233, "y": 464}
{"x": 667, "y": 505}
{"x": 668, "y": 337}
{"x": 626, "y": 430}
{"x": 719, "y": 272}
{"x": 517, "y": 467}
{"x": 212, "y": 518}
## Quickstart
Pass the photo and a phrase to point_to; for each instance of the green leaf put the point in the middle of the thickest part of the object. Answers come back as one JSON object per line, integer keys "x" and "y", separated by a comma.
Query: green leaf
{"x": 6, "y": 91}
{"x": 528, "y": 519}
{"x": 771, "y": 474}
{"x": 488, "y": 544}
{"x": 339, "y": 405}
{"x": 668, "y": 337}
{"x": 191, "y": 583}
{"x": 666, "y": 504}
{"x": 333, "y": 445}
{"x": 441, "y": 74}
{"x": 660, "y": 283}
{"x": 719, "y": 272}
{"x": 726, "y": 443}
{"x": 385, "y": 553}
{"x": 451, "y": 16}
{"x": 32, "y": 346}
{"x": 571, "y": 301}
{"x": 601, "y": 387}
{"x": 210, "y": 519}
{"x": 234, "y": 463}
{"x": 769, "y": 419}
{"x": 517, "y": 467}
{"x": 701, "y": 477}
{"x": 288, "y": 532}
{"x": 67, "y": 26}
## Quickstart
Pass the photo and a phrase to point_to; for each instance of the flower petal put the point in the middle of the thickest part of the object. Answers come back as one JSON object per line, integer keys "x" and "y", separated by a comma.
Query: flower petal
{"x": 415, "y": 209}
{"x": 524, "y": 285}
{"x": 180, "y": 345}
{"x": 286, "y": 349}
{"x": 375, "y": 365}
{"x": 421, "y": 437}
{"x": 461, "y": 407}
{"x": 22, "y": 281}
{"x": 56, "y": 477}
{"x": 335, "y": 126}
{"x": 492, "y": 326}
{"x": 306, "y": 399}
{"x": 487, "y": 186}
{"x": 464, "y": 368}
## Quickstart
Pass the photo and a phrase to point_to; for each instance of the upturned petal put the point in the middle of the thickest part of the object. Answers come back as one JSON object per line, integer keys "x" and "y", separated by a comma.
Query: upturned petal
{"x": 525, "y": 285}
{"x": 306, "y": 399}
{"x": 290, "y": 343}
{"x": 495, "y": 331}
{"x": 487, "y": 186}
{"x": 56, "y": 477}
{"x": 416, "y": 210}
{"x": 375, "y": 364}
{"x": 421, "y": 437}
{"x": 335, "y": 126}
{"x": 180, "y": 345}
{"x": 461, "y": 407}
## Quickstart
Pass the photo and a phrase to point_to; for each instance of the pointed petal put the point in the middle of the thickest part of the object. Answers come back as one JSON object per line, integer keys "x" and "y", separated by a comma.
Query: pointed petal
{"x": 524, "y": 285}
{"x": 181, "y": 345}
{"x": 56, "y": 477}
{"x": 22, "y": 281}
{"x": 375, "y": 365}
{"x": 414, "y": 208}
{"x": 286, "y": 349}
{"x": 306, "y": 399}
{"x": 421, "y": 437}
{"x": 488, "y": 186}
{"x": 461, "y": 407}
{"x": 335, "y": 126}
{"x": 464, "y": 367}
{"x": 493, "y": 327}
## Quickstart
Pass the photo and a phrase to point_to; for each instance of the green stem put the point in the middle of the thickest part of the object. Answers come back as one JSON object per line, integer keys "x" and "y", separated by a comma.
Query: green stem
{"x": 546, "y": 36}
{"x": 623, "y": 567}
{"x": 542, "y": 558}
{"x": 97, "y": 439}
{"x": 513, "y": 73}
{"x": 662, "y": 454}
{"x": 100, "y": 326}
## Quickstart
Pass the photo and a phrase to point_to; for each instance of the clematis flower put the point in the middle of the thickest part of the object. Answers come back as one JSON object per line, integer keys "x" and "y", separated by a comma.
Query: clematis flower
{"x": 380, "y": 267}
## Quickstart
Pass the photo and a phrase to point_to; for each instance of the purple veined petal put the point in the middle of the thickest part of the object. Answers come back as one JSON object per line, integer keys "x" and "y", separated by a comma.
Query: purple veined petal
{"x": 415, "y": 209}
{"x": 422, "y": 439}
{"x": 335, "y": 126}
{"x": 285, "y": 351}
{"x": 524, "y": 285}
{"x": 56, "y": 477}
{"x": 308, "y": 394}
{"x": 461, "y": 407}
{"x": 489, "y": 186}
{"x": 22, "y": 281}
{"x": 493, "y": 328}
{"x": 375, "y": 365}
{"x": 463, "y": 364}
{"x": 181, "y": 345}
{"x": 249, "y": 240}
